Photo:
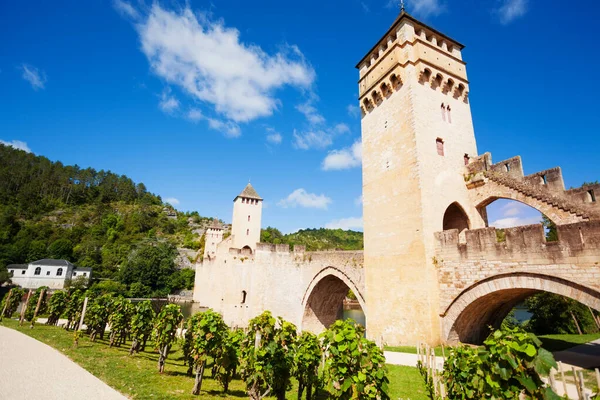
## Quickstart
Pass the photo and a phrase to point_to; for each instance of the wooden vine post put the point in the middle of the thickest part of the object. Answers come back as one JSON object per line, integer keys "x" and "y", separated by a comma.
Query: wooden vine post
{"x": 37, "y": 307}
{"x": 24, "y": 308}
{"x": 85, "y": 303}
{"x": 6, "y": 304}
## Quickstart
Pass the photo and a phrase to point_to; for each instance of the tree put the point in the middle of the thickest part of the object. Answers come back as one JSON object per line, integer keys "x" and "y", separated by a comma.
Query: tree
{"x": 307, "y": 357}
{"x": 267, "y": 357}
{"x": 56, "y": 306}
{"x": 165, "y": 328}
{"x": 354, "y": 366}
{"x": 550, "y": 227}
{"x": 207, "y": 338}
{"x": 555, "y": 314}
{"x": 4, "y": 275}
{"x": 61, "y": 249}
{"x": 150, "y": 264}
{"x": 97, "y": 313}
{"x": 141, "y": 325}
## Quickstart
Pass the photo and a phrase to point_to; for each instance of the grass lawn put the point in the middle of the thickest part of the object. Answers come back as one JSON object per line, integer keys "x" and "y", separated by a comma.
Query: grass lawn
{"x": 137, "y": 377}
{"x": 562, "y": 342}
{"x": 413, "y": 349}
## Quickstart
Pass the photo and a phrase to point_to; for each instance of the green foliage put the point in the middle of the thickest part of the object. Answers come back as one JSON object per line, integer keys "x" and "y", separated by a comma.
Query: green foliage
{"x": 61, "y": 249}
{"x": 121, "y": 312}
{"x": 316, "y": 239}
{"x": 510, "y": 362}
{"x": 151, "y": 264}
{"x": 106, "y": 287}
{"x": 307, "y": 357}
{"x": 208, "y": 334}
{"x": 33, "y": 300}
{"x": 182, "y": 279}
{"x": 228, "y": 358}
{"x": 141, "y": 324}
{"x": 56, "y": 306}
{"x": 165, "y": 328}
{"x": 267, "y": 359}
{"x": 97, "y": 313}
{"x": 554, "y": 314}
{"x": 510, "y": 321}
{"x": 354, "y": 366}
{"x": 4, "y": 275}
{"x": 73, "y": 309}
{"x": 11, "y": 302}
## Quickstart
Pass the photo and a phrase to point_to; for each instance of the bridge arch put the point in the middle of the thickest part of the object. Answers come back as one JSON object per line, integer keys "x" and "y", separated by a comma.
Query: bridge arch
{"x": 487, "y": 302}
{"x": 323, "y": 298}
{"x": 455, "y": 217}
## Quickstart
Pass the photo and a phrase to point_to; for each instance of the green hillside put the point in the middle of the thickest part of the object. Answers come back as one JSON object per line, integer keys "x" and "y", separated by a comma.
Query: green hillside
{"x": 316, "y": 239}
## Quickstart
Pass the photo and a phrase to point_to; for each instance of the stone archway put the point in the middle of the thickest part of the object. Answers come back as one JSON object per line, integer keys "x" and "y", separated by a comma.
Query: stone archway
{"x": 322, "y": 301}
{"x": 487, "y": 303}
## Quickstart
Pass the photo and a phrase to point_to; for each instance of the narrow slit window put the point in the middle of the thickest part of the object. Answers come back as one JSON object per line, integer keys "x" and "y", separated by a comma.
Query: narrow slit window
{"x": 449, "y": 112}
{"x": 543, "y": 180}
{"x": 248, "y": 218}
{"x": 247, "y": 232}
{"x": 467, "y": 158}
{"x": 244, "y": 294}
{"x": 507, "y": 167}
{"x": 439, "y": 143}
{"x": 443, "y": 108}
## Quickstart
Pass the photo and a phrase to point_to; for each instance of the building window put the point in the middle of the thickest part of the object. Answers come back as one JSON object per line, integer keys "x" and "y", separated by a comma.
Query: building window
{"x": 443, "y": 108}
{"x": 47, "y": 273}
{"x": 449, "y": 112}
{"x": 12, "y": 272}
{"x": 38, "y": 271}
{"x": 467, "y": 158}
{"x": 23, "y": 272}
{"x": 59, "y": 272}
{"x": 439, "y": 143}
{"x": 247, "y": 232}
{"x": 244, "y": 294}
{"x": 248, "y": 218}
{"x": 85, "y": 274}
{"x": 74, "y": 273}
{"x": 543, "y": 180}
{"x": 506, "y": 167}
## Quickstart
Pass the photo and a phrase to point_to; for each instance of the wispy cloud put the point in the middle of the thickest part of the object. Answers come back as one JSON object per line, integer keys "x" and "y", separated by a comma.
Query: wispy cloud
{"x": 510, "y": 10}
{"x": 301, "y": 198}
{"x": 359, "y": 201}
{"x": 349, "y": 157}
{"x": 273, "y": 137}
{"x": 346, "y": 223}
{"x": 422, "y": 8}
{"x": 514, "y": 213}
{"x": 126, "y": 9}
{"x": 228, "y": 128}
{"x": 168, "y": 103}
{"x": 17, "y": 144}
{"x": 172, "y": 201}
{"x": 210, "y": 63}
{"x": 318, "y": 138}
{"x": 514, "y": 221}
{"x": 33, "y": 75}
{"x": 311, "y": 113}
{"x": 353, "y": 110}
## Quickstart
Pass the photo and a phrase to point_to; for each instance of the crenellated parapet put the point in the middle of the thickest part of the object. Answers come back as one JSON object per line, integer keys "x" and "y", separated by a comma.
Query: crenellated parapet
{"x": 543, "y": 190}
{"x": 577, "y": 243}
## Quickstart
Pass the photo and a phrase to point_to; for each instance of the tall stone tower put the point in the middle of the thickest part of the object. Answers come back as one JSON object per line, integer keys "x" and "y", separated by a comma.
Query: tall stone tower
{"x": 213, "y": 236}
{"x": 417, "y": 136}
{"x": 247, "y": 213}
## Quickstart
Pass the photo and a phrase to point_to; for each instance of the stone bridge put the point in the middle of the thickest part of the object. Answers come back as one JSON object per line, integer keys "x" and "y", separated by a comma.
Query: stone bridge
{"x": 306, "y": 288}
{"x": 483, "y": 278}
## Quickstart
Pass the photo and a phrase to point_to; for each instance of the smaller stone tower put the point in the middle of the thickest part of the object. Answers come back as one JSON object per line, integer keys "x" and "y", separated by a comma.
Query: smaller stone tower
{"x": 247, "y": 213}
{"x": 212, "y": 237}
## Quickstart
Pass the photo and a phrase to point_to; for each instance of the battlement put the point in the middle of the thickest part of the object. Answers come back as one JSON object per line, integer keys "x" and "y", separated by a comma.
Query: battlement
{"x": 278, "y": 248}
{"x": 579, "y": 242}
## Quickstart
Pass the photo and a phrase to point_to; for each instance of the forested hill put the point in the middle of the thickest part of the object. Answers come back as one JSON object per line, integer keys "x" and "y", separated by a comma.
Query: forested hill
{"x": 92, "y": 218}
{"x": 316, "y": 239}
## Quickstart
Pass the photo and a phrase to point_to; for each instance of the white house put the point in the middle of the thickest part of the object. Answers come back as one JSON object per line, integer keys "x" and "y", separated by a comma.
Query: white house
{"x": 46, "y": 272}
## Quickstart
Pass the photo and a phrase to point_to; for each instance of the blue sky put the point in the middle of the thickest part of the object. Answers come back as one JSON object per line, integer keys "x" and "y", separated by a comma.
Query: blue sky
{"x": 196, "y": 98}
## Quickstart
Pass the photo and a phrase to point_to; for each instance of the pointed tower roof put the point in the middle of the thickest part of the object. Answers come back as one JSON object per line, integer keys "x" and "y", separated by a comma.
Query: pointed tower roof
{"x": 249, "y": 193}
{"x": 215, "y": 224}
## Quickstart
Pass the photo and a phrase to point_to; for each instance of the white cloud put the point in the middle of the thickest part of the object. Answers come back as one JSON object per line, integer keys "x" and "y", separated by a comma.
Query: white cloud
{"x": 168, "y": 103}
{"x": 17, "y": 144}
{"x": 126, "y": 9}
{"x": 229, "y": 128}
{"x": 349, "y": 157}
{"x": 210, "y": 63}
{"x": 510, "y": 222}
{"x": 172, "y": 201}
{"x": 346, "y": 223}
{"x": 359, "y": 201}
{"x": 34, "y": 76}
{"x": 511, "y": 10}
{"x": 423, "y": 8}
{"x": 513, "y": 208}
{"x": 273, "y": 137}
{"x": 318, "y": 138}
{"x": 302, "y": 198}
{"x": 353, "y": 110}
{"x": 311, "y": 113}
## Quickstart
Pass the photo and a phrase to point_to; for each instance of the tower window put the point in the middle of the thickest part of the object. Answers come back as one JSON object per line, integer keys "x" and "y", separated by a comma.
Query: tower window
{"x": 244, "y": 294}
{"x": 449, "y": 110}
{"x": 443, "y": 108}
{"x": 439, "y": 143}
{"x": 247, "y": 232}
{"x": 543, "y": 180}
{"x": 507, "y": 167}
{"x": 248, "y": 218}
{"x": 37, "y": 271}
{"x": 467, "y": 158}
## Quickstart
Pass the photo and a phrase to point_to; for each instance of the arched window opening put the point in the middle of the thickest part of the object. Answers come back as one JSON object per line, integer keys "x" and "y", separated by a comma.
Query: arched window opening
{"x": 426, "y": 76}
{"x": 385, "y": 89}
{"x": 37, "y": 271}
{"x": 449, "y": 111}
{"x": 467, "y": 159}
{"x": 460, "y": 90}
{"x": 248, "y": 218}
{"x": 591, "y": 196}
{"x": 394, "y": 81}
{"x": 455, "y": 218}
{"x": 376, "y": 96}
{"x": 443, "y": 109}
{"x": 247, "y": 232}
{"x": 439, "y": 79}
{"x": 244, "y": 294}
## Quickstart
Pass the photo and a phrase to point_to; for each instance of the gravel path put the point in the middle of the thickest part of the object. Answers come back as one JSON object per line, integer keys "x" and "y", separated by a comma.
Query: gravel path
{"x": 29, "y": 369}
